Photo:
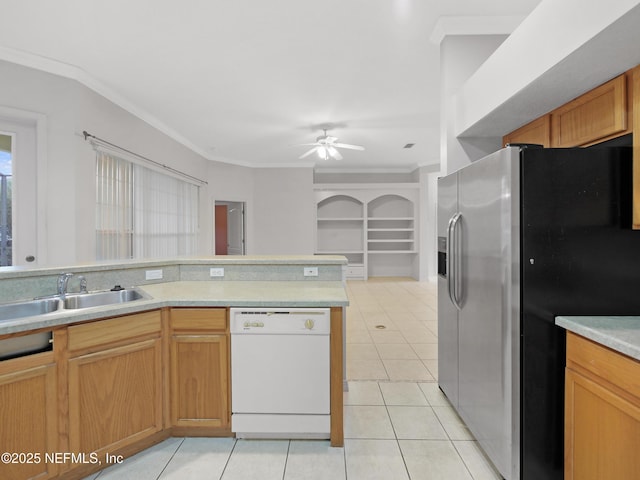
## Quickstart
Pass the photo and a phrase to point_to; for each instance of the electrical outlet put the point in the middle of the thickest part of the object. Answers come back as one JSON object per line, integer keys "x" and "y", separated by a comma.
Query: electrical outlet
{"x": 310, "y": 271}
{"x": 216, "y": 272}
{"x": 153, "y": 274}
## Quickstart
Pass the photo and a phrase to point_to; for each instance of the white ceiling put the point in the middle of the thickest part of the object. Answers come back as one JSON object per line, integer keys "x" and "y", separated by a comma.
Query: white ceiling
{"x": 244, "y": 81}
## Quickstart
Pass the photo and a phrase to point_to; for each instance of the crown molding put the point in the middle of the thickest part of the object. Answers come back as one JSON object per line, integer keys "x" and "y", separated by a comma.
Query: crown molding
{"x": 474, "y": 25}
{"x": 74, "y": 72}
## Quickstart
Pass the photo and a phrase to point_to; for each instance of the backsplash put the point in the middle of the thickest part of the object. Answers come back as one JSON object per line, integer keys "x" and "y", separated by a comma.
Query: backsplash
{"x": 20, "y": 284}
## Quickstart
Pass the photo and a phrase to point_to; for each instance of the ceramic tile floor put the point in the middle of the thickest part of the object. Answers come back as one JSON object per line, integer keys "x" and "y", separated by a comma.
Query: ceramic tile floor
{"x": 398, "y": 425}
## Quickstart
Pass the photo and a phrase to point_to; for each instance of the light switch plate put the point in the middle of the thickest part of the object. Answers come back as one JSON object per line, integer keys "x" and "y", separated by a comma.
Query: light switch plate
{"x": 153, "y": 274}
{"x": 216, "y": 272}
{"x": 310, "y": 271}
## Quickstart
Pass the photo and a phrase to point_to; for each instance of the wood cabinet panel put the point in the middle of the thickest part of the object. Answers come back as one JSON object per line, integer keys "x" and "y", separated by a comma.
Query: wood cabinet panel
{"x": 602, "y": 412}
{"x": 594, "y": 116}
{"x": 603, "y": 432}
{"x": 115, "y": 397}
{"x": 337, "y": 377}
{"x": 28, "y": 415}
{"x": 635, "y": 92}
{"x": 538, "y": 131}
{"x": 201, "y": 319}
{"x": 618, "y": 369}
{"x": 199, "y": 364}
{"x": 200, "y": 381}
{"x": 114, "y": 330}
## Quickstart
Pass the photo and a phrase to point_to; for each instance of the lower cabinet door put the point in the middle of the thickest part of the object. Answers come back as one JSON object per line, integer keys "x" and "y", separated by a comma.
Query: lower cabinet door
{"x": 115, "y": 397}
{"x": 602, "y": 432}
{"x": 199, "y": 381}
{"x": 28, "y": 422}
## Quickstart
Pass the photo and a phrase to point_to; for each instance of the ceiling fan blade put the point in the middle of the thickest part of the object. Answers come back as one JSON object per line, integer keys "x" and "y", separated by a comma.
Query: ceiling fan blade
{"x": 307, "y": 153}
{"x": 346, "y": 145}
{"x": 336, "y": 154}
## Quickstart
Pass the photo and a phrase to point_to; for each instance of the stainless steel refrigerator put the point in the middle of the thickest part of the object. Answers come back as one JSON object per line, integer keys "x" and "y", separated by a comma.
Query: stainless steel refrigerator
{"x": 524, "y": 235}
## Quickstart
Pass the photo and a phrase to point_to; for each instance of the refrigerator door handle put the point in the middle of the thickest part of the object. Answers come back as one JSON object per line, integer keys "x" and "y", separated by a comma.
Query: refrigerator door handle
{"x": 453, "y": 260}
{"x": 450, "y": 259}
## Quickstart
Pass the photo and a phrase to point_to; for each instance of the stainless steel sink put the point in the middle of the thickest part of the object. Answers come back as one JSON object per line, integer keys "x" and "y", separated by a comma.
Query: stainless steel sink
{"x": 25, "y": 345}
{"x": 38, "y": 342}
{"x": 10, "y": 311}
{"x": 99, "y": 299}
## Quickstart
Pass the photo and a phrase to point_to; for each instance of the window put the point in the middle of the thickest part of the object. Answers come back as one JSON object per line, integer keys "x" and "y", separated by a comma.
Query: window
{"x": 142, "y": 213}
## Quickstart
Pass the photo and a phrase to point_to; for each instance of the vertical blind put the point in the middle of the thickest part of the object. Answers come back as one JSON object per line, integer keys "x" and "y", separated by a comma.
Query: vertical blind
{"x": 142, "y": 213}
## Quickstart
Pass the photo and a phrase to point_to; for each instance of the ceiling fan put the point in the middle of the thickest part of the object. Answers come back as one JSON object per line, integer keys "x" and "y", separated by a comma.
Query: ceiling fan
{"x": 327, "y": 147}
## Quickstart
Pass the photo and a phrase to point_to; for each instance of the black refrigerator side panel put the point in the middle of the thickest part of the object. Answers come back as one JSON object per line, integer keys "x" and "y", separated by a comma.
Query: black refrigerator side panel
{"x": 579, "y": 257}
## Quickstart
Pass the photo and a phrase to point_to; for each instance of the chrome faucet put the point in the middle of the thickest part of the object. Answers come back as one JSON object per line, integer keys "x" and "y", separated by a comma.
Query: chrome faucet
{"x": 63, "y": 280}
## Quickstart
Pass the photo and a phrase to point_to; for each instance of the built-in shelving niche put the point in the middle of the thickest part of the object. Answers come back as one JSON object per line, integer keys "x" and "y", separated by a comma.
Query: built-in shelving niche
{"x": 340, "y": 229}
{"x": 377, "y": 231}
{"x": 391, "y": 242}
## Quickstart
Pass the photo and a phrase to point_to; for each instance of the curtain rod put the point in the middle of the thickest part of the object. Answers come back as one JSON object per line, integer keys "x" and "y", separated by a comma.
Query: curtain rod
{"x": 162, "y": 165}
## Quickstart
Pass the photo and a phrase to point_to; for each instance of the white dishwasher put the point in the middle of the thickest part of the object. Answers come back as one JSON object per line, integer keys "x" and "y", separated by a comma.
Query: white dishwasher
{"x": 280, "y": 368}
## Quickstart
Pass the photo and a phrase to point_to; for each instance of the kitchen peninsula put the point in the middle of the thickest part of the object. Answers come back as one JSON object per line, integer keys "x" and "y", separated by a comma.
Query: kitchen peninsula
{"x": 122, "y": 377}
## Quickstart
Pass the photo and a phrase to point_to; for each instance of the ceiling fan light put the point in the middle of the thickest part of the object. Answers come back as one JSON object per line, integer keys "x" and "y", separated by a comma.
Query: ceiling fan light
{"x": 322, "y": 152}
{"x": 332, "y": 151}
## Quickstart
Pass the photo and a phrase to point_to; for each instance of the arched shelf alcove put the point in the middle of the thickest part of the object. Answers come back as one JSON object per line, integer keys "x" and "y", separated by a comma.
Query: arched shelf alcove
{"x": 340, "y": 231}
{"x": 391, "y": 236}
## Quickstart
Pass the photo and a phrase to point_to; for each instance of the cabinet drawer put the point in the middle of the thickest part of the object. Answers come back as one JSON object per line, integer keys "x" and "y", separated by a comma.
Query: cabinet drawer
{"x": 210, "y": 319}
{"x": 355, "y": 271}
{"x": 114, "y": 330}
{"x": 614, "y": 367}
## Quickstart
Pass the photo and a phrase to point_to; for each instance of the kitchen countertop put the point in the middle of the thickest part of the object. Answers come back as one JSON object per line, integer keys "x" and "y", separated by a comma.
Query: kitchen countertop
{"x": 198, "y": 294}
{"x": 621, "y": 334}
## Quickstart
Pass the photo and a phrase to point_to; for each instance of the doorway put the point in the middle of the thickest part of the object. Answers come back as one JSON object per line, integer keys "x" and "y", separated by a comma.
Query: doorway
{"x": 19, "y": 206}
{"x": 229, "y": 228}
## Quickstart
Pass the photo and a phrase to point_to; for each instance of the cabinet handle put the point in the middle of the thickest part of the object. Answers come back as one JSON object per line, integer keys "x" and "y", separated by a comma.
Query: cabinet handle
{"x": 453, "y": 260}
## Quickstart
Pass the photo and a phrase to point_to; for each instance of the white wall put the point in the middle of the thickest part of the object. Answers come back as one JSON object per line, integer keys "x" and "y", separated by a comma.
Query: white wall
{"x": 428, "y": 224}
{"x": 283, "y": 211}
{"x": 460, "y": 57}
{"x": 234, "y": 184}
{"x": 102, "y": 118}
{"x": 280, "y": 207}
{"x": 561, "y": 50}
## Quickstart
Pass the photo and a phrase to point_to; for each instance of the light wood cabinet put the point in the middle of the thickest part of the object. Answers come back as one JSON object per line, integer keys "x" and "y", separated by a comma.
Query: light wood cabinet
{"x": 538, "y": 131}
{"x": 604, "y": 113}
{"x": 199, "y": 371}
{"x": 121, "y": 384}
{"x": 597, "y": 115}
{"x": 635, "y": 94}
{"x": 114, "y": 382}
{"x": 602, "y": 412}
{"x": 28, "y": 416}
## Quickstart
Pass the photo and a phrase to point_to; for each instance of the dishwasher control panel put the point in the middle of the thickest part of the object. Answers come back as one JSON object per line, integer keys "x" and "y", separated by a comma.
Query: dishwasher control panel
{"x": 301, "y": 321}
{"x": 253, "y": 324}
